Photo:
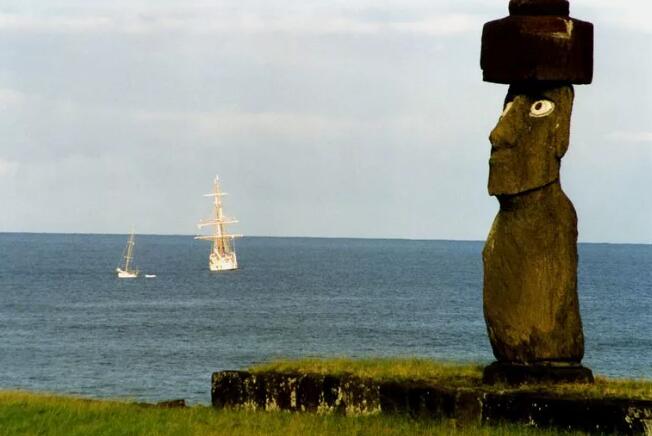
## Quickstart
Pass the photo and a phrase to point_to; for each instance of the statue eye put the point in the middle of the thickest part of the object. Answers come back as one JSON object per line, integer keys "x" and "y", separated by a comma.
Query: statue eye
{"x": 508, "y": 106}
{"x": 541, "y": 108}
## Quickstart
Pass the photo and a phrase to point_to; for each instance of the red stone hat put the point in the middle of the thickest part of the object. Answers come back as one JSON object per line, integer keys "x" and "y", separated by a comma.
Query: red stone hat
{"x": 537, "y": 42}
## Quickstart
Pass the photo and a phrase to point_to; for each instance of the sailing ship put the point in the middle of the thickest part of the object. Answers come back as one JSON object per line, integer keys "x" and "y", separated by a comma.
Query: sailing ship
{"x": 124, "y": 271}
{"x": 222, "y": 256}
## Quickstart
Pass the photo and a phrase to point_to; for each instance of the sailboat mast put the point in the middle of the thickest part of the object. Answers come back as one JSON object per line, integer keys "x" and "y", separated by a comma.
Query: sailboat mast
{"x": 130, "y": 247}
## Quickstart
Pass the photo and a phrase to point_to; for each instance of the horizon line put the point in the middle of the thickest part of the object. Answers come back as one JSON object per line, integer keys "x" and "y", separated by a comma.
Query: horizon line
{"x": 298, "y": 237}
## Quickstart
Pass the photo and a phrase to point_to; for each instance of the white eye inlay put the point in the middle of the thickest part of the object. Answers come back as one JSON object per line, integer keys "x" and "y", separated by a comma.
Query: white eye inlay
{"x": 508, "y": 106}
{"x": 541, "y": 108}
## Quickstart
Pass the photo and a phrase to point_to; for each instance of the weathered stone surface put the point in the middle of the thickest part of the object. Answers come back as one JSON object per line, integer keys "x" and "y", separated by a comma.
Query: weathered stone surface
{"x": 352, "y": 395}
{"x": 527, "y": 48}
{"x": 280, "y": 391}
{"x": 530, "y": 257}
{"x": 359, "y": 396}
{"x": 520, "y": 374}
{"x": 595, "y": 416}
{"x": 300, "y": 392}
{"x": 428, "y": 400}
{"x": 230, "y": 388}
{"x": 311, "y": 392}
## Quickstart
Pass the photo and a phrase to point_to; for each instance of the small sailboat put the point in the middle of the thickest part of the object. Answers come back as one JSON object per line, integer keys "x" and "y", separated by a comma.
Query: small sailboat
{"x": 124, "y": 271}
{"x": 222, "y": 256}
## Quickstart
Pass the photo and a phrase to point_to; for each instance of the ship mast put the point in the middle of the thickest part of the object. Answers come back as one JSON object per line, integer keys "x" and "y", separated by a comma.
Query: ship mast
{"x": 219, "y": 243}
{"x": 220, "y": 239}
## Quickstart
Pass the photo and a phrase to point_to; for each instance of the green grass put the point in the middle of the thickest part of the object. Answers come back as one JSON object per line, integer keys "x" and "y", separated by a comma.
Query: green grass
{"x": 449, "y": 374}
{"x": 382, "y": 369}
{"x": 24, "y": 413}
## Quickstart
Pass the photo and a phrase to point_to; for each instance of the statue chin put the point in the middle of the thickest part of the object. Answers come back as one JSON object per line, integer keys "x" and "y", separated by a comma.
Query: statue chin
{"x": 504, "y": 182}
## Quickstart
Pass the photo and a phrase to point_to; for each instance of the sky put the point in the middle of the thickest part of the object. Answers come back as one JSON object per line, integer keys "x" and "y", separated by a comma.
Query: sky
{"x": 358, "y": 118}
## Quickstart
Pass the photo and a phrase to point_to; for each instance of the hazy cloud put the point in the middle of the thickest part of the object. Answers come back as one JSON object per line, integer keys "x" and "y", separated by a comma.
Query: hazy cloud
{"x": 218, "y": 22}
{"x": 8, "y": 168}
{"x": 631, "y": 136}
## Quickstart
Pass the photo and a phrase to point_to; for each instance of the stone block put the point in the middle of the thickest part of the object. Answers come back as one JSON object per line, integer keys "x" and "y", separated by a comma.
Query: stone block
{"x": 228, "y": 388}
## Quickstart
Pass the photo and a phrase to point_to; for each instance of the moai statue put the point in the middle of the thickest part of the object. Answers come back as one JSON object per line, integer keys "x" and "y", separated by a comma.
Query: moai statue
{"x": 530, "y": 257}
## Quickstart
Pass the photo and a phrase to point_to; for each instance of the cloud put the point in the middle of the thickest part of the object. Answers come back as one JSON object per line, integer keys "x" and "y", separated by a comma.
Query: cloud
{"x": 631, "y": 15}
{"x": 358, "y": 17}
{"x": 8, "y": 168}
{"x": 54, "y": 24}
{"x": 219, "y": 22}
{"x": 441, "y": 25}
{"x": 229, "y": 122}
{"x": 308, "y": 128}
{"x": 10, "y": 97}
{"x": 636, "y": 137}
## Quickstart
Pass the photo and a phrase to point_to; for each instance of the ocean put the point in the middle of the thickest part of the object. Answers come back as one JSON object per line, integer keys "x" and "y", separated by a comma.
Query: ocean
{"x": 68, "y": 325}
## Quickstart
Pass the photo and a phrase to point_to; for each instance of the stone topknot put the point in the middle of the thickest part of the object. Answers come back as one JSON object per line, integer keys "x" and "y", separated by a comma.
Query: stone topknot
{"x": 539, "y": 7}
{"x": 537, "y": 42}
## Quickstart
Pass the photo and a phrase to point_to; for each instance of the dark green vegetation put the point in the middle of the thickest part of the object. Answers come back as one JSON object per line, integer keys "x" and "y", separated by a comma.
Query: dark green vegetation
{"x": 40, "y": 414}
{"x": 450, "y": 375}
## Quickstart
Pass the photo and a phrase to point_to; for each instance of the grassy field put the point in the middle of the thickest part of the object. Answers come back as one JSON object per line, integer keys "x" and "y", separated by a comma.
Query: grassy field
{"x": 24, "y": 413}
{"x": 450, "y": 374}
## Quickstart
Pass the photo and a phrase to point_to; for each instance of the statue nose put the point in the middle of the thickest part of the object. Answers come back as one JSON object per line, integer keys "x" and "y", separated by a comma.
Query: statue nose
{"x": 502, "y": 136}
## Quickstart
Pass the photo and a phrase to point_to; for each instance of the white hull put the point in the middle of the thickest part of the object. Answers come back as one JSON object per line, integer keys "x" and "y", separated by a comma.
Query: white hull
{"x": 126, "y": 274}
{"x": 222, "y": 263}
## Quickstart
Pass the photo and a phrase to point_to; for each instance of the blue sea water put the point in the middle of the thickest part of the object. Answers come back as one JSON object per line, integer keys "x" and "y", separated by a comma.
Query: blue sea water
{"x": 68, "y": 325}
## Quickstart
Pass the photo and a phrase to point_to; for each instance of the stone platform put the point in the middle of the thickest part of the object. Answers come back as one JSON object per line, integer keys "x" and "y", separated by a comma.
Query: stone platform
{"x": 351, "y": 395}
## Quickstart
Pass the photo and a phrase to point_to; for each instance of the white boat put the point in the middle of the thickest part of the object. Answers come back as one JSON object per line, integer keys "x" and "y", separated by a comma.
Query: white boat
{"x": 222, "y": 256}
{"x": 124, "y": 271}
{"x": 150, "y": 276}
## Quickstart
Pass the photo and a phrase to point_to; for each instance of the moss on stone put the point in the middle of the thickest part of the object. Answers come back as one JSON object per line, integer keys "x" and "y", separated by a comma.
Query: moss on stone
{"x": 448, "y": 374}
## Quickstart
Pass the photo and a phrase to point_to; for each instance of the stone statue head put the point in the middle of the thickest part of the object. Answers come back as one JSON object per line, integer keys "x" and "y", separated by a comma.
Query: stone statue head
{"x": 530, "y": 138}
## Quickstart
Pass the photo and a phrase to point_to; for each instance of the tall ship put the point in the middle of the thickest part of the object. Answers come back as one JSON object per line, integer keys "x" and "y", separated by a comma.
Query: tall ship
{"x": 126, "y": 269}
{"x": 222, "y": 256}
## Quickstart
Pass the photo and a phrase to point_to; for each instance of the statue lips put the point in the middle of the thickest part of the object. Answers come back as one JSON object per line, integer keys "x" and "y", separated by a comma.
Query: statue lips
{"x": 498, "y": 155}
{"x": 500, "y": 148}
